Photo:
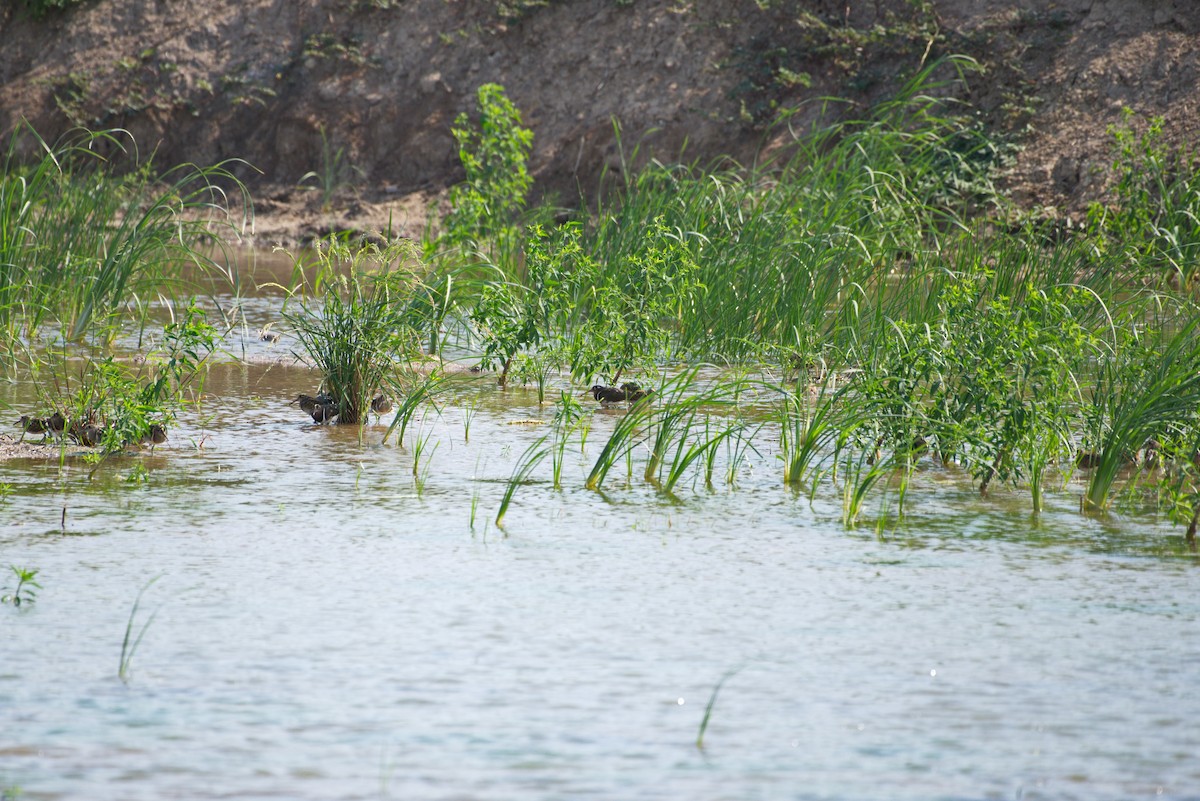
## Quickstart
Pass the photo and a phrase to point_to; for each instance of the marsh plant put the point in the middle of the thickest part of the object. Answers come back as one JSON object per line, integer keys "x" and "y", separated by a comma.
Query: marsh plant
{"x": 87, "y": 232}
{"x": 112, "y": 404}
{"x": 27, "y": 586}
{"x": 525, "y": 466}
{"x": 358, "y": 315}
{"x": 130, "y": 643}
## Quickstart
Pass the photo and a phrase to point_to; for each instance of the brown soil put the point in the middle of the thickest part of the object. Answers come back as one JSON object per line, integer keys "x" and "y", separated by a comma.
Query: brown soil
{"x": 280, "y": 83}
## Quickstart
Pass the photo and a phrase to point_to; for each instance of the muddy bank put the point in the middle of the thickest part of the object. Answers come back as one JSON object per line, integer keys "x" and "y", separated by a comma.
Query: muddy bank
{"x": 363, "y": 93}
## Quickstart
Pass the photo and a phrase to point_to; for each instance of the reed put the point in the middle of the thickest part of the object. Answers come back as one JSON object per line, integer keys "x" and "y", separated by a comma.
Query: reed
{"x": 528, "y": 462}
{"x": 358, "y": 318}
{"x": 84, "y": 236}
{"x": 129, "y": 646}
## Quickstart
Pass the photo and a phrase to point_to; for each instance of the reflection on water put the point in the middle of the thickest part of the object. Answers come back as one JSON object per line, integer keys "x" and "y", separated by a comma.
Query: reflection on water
{"x": 330, "y": 626}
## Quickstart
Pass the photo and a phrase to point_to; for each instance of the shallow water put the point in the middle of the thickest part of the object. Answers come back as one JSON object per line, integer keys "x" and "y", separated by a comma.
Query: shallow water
{"x": 329, "y": 626}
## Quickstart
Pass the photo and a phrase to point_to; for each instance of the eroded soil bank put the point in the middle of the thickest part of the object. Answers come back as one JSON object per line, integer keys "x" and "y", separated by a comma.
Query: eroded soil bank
{"x": 363, "y": 92}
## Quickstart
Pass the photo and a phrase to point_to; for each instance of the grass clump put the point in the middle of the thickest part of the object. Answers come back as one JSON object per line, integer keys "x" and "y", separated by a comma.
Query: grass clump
{"x": 359, "y": 318}
{"x": 87, "y": 237}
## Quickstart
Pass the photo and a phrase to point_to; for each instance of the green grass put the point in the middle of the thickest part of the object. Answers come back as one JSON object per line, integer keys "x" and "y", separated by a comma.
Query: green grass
{"x": 86, "y": 238}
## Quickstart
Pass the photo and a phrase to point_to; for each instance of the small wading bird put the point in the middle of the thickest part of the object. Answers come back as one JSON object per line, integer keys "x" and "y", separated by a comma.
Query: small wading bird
{"x": 33, "y": 425}
{"x": 323, "y": 408}
{"x": 54, "y": 424}
{"x": 157, "y": 434}
{"x": 381, "y": 404}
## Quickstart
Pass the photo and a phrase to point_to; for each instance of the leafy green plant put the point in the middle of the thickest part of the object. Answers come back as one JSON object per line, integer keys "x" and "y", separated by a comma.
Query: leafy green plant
{"x": 25, "y": 584}
{"x": 494, "y": 151}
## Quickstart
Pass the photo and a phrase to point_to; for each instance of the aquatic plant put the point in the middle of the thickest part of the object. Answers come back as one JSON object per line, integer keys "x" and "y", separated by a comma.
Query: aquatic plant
{"x": 621, "y": 441}
{"x": 415, "y": 391}
{"x": 356, "y": 318}
{"x": 807, "y": 425}
{"x": 1147, "y": 387}
{"x": 712, "y": 702}
{"x": 26, "y": 584}
{"x": 83, "y": 237}
{"x": 529, "y": 460}
{"x": 128, "y": 647}
{"x": 112, "y": 404}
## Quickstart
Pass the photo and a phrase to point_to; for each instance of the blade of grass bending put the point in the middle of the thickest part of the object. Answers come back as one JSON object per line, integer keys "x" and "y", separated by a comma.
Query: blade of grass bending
{"x": 712, "y": 700}
{"x": 525, "y": 465}
{"x": 619, "y": 442}
{"x": 127, "y": 649}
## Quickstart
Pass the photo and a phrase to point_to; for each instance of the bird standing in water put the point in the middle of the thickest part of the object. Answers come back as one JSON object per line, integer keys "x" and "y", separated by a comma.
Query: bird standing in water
{"x": 381, "y": 404}
{"x": 323, "y": 408}
{"x": 627, "y": 392}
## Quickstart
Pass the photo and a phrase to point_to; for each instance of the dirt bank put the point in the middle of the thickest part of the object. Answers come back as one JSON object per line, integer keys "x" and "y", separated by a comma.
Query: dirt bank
{"x": 363, "y": 92}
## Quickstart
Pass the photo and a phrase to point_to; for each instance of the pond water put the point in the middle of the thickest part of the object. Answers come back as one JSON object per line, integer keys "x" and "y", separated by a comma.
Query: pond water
{"x": 330, "y": 626}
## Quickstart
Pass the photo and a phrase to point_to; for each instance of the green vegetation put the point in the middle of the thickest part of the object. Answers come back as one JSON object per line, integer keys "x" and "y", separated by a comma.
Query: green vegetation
{"x": 129, "y": 647}
{"x": 26, "y": 590}
{"x": 884, "y": 314}
{"x": 357, "y": 318}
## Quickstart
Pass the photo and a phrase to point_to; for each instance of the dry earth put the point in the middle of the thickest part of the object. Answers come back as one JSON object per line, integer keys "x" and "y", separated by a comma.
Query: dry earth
{"x": 286, "y": 84}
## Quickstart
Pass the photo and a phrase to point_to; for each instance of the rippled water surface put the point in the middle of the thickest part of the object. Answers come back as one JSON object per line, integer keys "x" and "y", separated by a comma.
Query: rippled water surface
{"x": 331, "y": 627}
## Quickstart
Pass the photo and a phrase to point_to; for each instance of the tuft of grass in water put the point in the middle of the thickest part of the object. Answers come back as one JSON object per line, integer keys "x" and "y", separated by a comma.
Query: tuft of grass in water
{"x": 620, "y": 442}
{"x": 414, "y": 394}
{"x": 469, "y": 408}
{"x": 129, "y": 647}
{"x": 807, "y": 427}
{"x": 687, "y": 453}
{"x": 712, "y": 702}
{"x": 529, "y": 460}
{"x": 419, "y": 449}
{"x": 359, "y": 319}
{"x": 1148, "y": 388}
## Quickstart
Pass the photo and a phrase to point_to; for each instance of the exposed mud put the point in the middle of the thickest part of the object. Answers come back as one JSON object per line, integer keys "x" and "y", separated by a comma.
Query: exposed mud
{"x": 363, "y": 92}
